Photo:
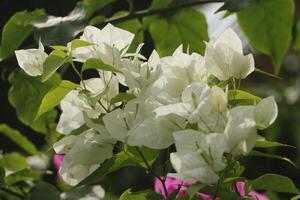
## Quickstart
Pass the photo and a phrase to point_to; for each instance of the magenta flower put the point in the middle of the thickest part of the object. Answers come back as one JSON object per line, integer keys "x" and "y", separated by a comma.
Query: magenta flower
{"x": 173, "y": 184}
{"x": 57, "y": 160}
{"x": 240, "y": 185}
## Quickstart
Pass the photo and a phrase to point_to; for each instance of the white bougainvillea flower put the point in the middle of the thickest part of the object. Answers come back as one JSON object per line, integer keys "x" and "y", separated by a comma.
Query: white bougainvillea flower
{"x": 179, "y": 71}
{"x": 199, "y": 105}
{"x": 109, "y": 44}
{"x": 224, "y": 57}
{"x": 80, "y": 160}
{"x": 243, "y": 122}
{"x": 266, "y": 113}
{"x": 137, "y": 122}
{"x": 32, "y": 60}
{"x": 74, "y": 105}
{"x": 241, "y": 130}
{"x": 138, "y": 75}
{"x": 198, "y": 156}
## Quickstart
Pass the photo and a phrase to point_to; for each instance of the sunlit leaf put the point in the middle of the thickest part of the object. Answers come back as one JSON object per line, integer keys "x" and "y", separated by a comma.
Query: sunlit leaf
{"x": 26, "y": 95}
{"x": 54, "y": 96}
{"x": 270, "y": 29}
{"x": 16, "y": 30}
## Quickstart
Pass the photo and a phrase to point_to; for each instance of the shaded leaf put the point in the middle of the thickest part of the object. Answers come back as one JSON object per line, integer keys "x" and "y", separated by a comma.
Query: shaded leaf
{"x": 142, "y": 195}
{"x": 18, "y": 138}
{"x": 270, "y": 29}
{"x": 16, "y": 30}
{"x": 91, "y": 6}
{"x": 235, "y": 5}
{"x": 43, "y": 191}
{"x": 186, "y": 26}
{"x": 262, "y": 143}
{"x": 13, "y": 161}
{"x": 21, "y": 176}
{"x": 266, "y": 155}
{"x": 26, "y": 95}
{"x": 272, "y": 182}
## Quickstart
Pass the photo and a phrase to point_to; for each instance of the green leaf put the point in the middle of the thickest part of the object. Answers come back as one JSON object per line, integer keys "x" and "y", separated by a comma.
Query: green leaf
{"x": 91, "y": 6}
{"x": 61, "y": 48}
{"x": 91, "y": 192}
{"x": 150, "y": 155}
{"x": 122, "y": 97}
{"x": 54, "y": 61}
{"x": 23, "y": 175}
{"x": 297, "y": 40}
{"x": 128, "y": 157}
{"x": 155, "y": 4}
{"x": 262, "y": 143}
{"x": 18, "y": 138}
{"x": 142, "y": 195}
{"x": 270, "y": 29}
{"x": 61, "y": 30}
{"x": 54, "y": 96}
{"x": 118, "y": 161}
{"x": 94, "y": 63}
{"x": 242, "y": 97}
{"x": 2, "y": 176}
{"x": 273, "y": 182}
{"x": 296, "y": 197}
{"x": 13, "y": 161}
{"x": 266, "y": 155}
{"x": 187, "y": 27}
{"x": 193, "y": 189}
{"x": 43, "y": 191}
{"x": 79, "y": 43}
{"x": 30, "y": 91}
{"x": 16, "y": 30}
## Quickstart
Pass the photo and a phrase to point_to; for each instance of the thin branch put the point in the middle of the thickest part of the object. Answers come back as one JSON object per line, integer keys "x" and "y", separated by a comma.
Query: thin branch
{"x": 144, "y": 13}
{"x": 12, "y": 193}
{"x": 152, "y": 172}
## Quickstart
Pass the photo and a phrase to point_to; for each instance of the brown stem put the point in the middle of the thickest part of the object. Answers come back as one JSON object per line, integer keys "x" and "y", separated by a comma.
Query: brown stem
{"x": 144, "y": 13}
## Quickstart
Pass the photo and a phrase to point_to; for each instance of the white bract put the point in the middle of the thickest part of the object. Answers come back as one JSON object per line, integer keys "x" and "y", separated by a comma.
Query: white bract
{"x": 109, "y": 44}
{"x": 74, "y": 105}
{"x": 199, "y": 156}
{"x": 174, "y": 99}
{"x": 224, "y": 57}
{"x": 32, "y": 60}
{"x": 81, "y": 154}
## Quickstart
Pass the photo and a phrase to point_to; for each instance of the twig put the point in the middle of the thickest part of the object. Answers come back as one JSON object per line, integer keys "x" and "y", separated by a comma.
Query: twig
{"x": 144, "y": 13}
{"x": 153, "y": 173}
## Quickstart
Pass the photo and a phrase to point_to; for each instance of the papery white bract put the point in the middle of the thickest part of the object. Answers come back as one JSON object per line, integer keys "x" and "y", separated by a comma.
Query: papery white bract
{"x": 109, "y": 44}
{"x": 199, "y": 156}
{"x": 75, "y": 105}
{"x": 32, "y": 60}
{"x": 224, "y": 57}
{"x": 80, "y": 160}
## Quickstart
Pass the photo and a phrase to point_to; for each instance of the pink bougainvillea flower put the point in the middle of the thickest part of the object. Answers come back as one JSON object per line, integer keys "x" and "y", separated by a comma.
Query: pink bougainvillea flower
{"x": 173, "y": 184}
{"x": 57, "y": 160}
{"x": 240, "y": 185}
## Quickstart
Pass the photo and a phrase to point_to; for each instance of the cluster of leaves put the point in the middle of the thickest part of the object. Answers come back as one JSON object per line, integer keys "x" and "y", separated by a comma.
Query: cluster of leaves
{"x": 273, "y": 19}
